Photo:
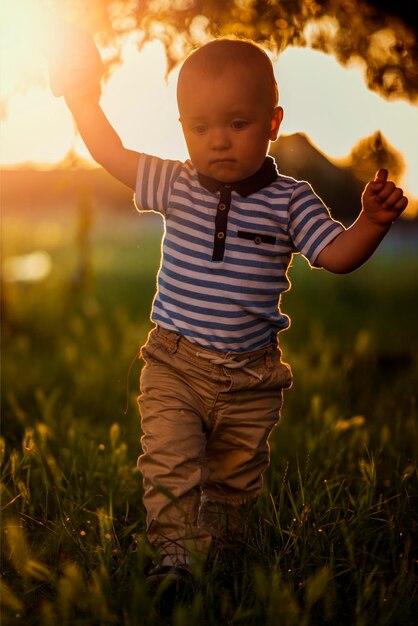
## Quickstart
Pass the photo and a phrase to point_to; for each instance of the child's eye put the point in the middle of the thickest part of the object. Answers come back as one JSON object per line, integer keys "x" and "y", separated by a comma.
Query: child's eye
{"x": 239, "y": 124}
{"x": 200, "y": 129}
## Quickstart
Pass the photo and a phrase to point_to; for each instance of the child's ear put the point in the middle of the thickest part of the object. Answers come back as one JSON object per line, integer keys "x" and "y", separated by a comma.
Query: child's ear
{"x": 276, "y": 120}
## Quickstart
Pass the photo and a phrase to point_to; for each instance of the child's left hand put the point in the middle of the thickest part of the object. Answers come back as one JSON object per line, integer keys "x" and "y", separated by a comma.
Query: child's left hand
{"x": 382, "y": 201}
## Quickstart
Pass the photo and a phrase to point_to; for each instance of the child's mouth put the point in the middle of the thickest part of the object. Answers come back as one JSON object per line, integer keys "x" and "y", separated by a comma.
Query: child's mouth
{"x": 222, "y": 161}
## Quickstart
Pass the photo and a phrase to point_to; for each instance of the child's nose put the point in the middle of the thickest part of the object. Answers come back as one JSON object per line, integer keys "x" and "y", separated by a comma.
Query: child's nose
{"x": 220, "y": 139}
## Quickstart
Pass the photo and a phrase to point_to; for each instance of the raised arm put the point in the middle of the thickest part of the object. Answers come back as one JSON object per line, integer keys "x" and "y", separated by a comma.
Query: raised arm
{"x": 382, "y": 204}
{"x": 76, "y": 69}
{"x": 102, "y": 141}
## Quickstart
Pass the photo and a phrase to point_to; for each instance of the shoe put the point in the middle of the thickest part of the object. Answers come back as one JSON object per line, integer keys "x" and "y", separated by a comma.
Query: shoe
{"x": 171, "y": 583}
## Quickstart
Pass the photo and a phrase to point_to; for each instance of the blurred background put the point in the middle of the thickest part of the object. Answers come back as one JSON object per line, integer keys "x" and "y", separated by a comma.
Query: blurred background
{"x": 348, "y": 82}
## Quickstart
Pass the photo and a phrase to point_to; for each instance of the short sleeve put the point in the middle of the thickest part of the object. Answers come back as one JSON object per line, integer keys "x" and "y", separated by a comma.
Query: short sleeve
{"x": 311, "y": 226}
{"x": 154, "y": 182}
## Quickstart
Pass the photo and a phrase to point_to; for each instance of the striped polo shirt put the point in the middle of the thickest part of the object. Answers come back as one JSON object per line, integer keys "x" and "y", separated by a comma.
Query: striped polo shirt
{"x": 227, "y": 248}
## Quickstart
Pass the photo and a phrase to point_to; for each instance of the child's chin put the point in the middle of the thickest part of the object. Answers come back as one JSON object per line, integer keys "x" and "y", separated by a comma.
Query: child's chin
{"x": 226, "y": 171}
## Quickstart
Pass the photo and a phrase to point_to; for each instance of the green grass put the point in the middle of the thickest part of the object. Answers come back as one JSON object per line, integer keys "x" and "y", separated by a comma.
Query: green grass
{"x": 333, "y": 538}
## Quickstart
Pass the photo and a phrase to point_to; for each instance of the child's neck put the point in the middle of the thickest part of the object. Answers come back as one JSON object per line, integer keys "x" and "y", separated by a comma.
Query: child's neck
{"x": 260, "y": 179}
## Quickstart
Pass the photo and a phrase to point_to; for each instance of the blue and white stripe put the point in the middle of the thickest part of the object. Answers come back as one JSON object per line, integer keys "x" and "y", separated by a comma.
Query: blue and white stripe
{"x": 232, "y": 305}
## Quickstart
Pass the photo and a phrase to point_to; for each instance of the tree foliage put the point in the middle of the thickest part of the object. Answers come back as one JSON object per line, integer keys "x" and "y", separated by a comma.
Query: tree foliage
{"x": 381, "y": 33}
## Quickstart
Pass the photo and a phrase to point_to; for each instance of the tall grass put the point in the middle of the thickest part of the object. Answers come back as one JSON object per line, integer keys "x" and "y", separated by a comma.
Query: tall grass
{"x": 333, "y": 537}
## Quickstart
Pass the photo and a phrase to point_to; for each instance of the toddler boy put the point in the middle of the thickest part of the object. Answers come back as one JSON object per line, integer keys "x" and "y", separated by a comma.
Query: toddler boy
{"x": 212, "y": 384}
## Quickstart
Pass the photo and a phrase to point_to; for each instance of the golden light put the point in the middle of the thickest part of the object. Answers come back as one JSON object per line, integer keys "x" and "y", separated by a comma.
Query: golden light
{"x": 333, "y": 107}
{"x": 34, "y": 126}
{"x": 322, "y": 99}
{"x": 22, "y": 31}
{"x": 31, "y": 267}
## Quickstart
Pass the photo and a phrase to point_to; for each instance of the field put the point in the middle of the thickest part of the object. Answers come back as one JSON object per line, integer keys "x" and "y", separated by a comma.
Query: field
{"x": 333, "y": 538}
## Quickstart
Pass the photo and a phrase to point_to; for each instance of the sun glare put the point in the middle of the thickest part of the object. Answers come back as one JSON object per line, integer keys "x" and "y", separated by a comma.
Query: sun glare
{"x": 22, "y": 31}
{"x": 27, "y": 108}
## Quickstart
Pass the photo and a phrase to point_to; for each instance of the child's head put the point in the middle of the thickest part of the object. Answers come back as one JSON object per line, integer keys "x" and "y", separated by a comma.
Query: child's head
{"x": 227, "y": 97}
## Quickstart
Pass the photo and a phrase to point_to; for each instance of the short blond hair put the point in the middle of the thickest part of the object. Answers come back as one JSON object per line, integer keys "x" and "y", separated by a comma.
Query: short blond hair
{"x": 214, "y": 57}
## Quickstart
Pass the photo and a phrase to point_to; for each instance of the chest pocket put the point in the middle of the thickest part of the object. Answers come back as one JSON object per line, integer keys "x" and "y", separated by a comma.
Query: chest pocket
{"x": 256, "y": 237}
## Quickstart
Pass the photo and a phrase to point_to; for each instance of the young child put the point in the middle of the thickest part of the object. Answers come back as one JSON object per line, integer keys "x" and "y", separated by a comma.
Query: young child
{"x": 211, "y": 388}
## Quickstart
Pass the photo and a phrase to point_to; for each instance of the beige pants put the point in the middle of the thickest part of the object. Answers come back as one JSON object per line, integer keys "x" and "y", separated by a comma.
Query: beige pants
{"x": 205, "y": 436}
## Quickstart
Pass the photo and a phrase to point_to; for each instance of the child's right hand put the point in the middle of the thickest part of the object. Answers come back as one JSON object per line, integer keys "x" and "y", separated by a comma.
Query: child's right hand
{"x": 75, "y": 65}
{"x": 75, "y": 69}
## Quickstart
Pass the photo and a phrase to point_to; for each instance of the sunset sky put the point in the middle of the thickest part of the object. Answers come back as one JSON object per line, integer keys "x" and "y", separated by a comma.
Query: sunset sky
{"x": 328, "y": 102}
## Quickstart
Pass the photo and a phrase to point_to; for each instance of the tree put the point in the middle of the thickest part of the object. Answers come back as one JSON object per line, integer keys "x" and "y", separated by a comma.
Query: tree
{"x": 381, "y": 33}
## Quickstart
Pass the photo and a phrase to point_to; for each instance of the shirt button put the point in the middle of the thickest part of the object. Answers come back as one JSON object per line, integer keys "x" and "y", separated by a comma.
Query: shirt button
{"x": 257, "y": 240}
{"x": 222, "y": 206}
{"x": 220, "y": 235}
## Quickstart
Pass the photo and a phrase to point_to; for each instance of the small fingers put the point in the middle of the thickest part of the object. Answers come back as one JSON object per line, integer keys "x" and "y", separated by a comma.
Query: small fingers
{"x": 401, "y": 204}
{"x": 391, "y": 196}
{"x": 395, "y": 201}
{"x": 381, "y": 175}
{"x": 387, "y": 190}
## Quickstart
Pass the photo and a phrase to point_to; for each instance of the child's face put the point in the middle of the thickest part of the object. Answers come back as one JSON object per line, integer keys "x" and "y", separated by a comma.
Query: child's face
{"x": 227, "y": 122}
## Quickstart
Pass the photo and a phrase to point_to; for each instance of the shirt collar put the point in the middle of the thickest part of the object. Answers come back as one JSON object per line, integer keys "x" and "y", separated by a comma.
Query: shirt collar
{"x": 262, "y": 178}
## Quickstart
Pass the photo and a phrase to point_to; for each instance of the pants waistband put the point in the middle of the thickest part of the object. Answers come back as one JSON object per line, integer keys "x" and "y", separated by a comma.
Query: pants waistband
{"x": 174, "y": 342}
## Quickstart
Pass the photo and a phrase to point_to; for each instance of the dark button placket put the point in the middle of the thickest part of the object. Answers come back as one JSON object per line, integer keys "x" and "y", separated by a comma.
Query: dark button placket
{"x": 221, "y": 223}
{"x": 262, "y": 178}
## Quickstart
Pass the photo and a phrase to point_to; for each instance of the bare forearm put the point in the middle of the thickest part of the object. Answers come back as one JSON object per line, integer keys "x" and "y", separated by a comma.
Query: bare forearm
{"x": 102, "y": 141}
{"x": 75, "y": 72}
{"x": 353, "y": 247}
{"x": 100, "y": 138}
{"x": 382, "y": 204}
